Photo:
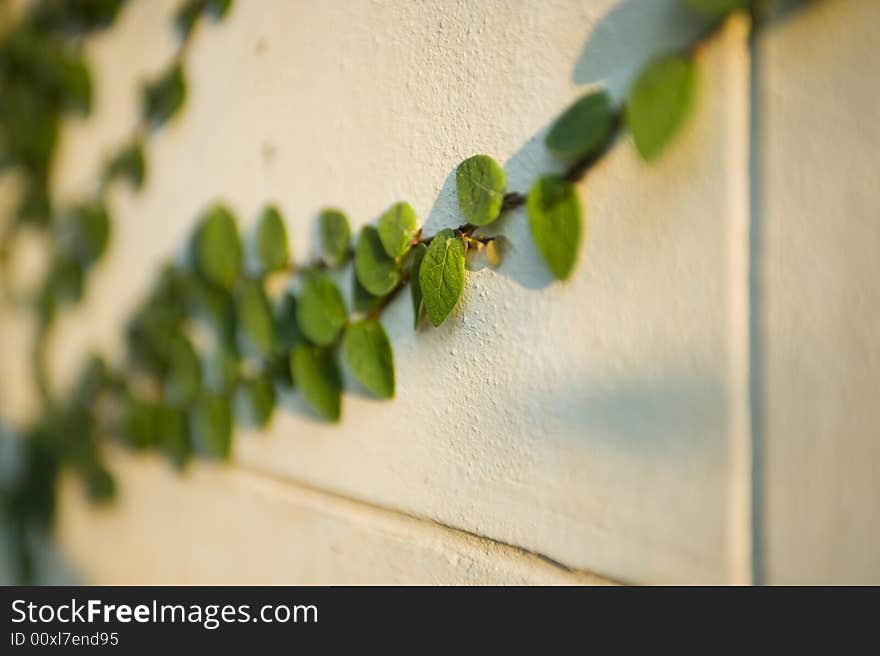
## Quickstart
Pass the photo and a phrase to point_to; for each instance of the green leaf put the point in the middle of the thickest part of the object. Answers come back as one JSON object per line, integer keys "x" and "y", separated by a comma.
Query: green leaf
{"x": 75, "y": 84}
{"x": 173, "y": 431}
{"x": 218, "y": 8}
{"x": 271, "y": 246}
{"x": 479, "y": 183}
{"x": 139, "y": 423}
{"x": 367, "y": 352}
{"x": 581, "y": 128}
{"x": 555, "y": 219}
{"x": 130, "y": 164}
{"x": 255, "y": 320}
{"x": 415, "y": 284}
{"x": 335, "y": 236}
{"x": 213, "y": 304}
{"x": 65, "y": 281}
{"x": 716, "y": 8}
{"x": 184, "y": 376}
{"x": 316, "y": 374}
{"x": 212, "y": 421}
{"x": 100, "y": 484}
{"x": 378, "y": 273}
{"x": 221, "y": 369}
{"x": 86, "y": 234}
{"x": 441, "y": 275}
{"x": 165, "y": 96}
{"x": 362, "y": 300}
{"x": 659, "y": 102}
{"x": 397, "y": 226}
{"x": 218, "y": 248}
{"x": 287, "y": 328}
{"x": 186, "y": 17}
{"x": 320, "y": 310}
{"x": 258, "y": 400}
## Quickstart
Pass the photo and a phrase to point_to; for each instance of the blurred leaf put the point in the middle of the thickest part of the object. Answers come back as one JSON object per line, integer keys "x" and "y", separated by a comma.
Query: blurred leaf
{"x": 92, "y": 381}
{"x": 212, "y": 420}
{"x": 76, "y": 84}
{"x": 186, "y": 17}
{"x": 362, "y": 300}
{"x": 479, "y": 182}
{"x": 286, "y": 327}
{"x": 86, "y": 232}
{"x": 255, "y": 318}
{"x": 317, "y": 376}
{"x": 184, "y": 375}
{"x": 335, "y": 236}
{"x": 378, "y": 273}
{"x": 218, "y": 8}
{"x": 367, "y": 352}
{"x": 659, "y": 102}
{"x": 100, "y": 483}
{"x": 271, "y": 245}
{"x": 215, "y": 305}
{"x": 415, "y": 284}
{"x": 173, "y": 431}
{"x": 35, "y": 206}
{"x": 221, "y": 369}
{"x": 76, "y": 16}
{"x": 129, "y": 164}
{"x": 441, "y": 275}
{"x": 139, "y": 423}
{"x": 65, "y": 282}
{"x": 320, "y": 310}
{"x": 582, "y": 127}
{"x": 397, "y": 226}
{"x": 258, "y": 398}
{"x": 278, "y": 369}
{"x": 164, "y": 96}
{"x": 555, "y": 219}
{"x": 218, "y": 248}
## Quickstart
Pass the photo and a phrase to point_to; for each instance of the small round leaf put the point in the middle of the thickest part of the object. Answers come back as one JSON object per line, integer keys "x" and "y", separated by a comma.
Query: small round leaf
{"x": 367, "y": 352}
{"x": 397, "y": 227}
{"x": 255, "y": 318}
{"x": 270, "y": 241}
{"x": 258, "y": 400}
{"x": 479, "y": 183}
{"x": 581, "y": 128}
{"x": 163, "y": 97}
{"x": 184, "y": 376}
{"x": 555, "y": 219}
{"x": 317, "y": 376}
{"x": 335, "y": 236}
{"x": 173, "y": 432}
{"x": 320, "y": 310}
{"x": 659, "y": 102}
{"x": 378, "y": 272}
{"x": 218, "y": 247}
{"x": 212, "y": 423}
{"x": 441, "y": 275}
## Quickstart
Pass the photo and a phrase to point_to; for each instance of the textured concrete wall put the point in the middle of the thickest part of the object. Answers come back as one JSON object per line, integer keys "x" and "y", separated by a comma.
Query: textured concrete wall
{"x": 604, "y": 424}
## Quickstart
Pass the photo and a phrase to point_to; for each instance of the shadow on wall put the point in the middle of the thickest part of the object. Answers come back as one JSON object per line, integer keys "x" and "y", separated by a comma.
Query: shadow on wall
{"x": 627, "y": 36}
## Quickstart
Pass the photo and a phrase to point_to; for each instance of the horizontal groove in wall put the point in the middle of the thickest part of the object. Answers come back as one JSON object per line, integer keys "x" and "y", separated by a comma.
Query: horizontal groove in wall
{"x": 359, "y": 509}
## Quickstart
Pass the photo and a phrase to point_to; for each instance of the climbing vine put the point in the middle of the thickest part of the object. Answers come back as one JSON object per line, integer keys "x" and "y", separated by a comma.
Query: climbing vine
{"x": 208, "y": 345}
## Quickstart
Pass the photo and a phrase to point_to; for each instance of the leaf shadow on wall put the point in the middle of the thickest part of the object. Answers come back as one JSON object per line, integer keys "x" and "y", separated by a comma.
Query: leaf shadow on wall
{"x": 628, "y": 35}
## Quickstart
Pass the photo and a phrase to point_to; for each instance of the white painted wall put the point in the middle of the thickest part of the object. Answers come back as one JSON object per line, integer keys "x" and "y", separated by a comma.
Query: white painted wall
{"x": 603, "y": 423}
